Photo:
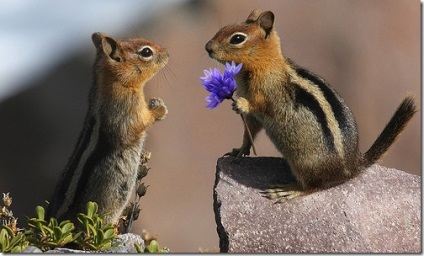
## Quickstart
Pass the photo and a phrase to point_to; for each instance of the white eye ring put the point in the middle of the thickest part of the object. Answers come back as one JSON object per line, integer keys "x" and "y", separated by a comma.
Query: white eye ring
{"x": 146, "y": 52}
{"x": 238, "y": 39}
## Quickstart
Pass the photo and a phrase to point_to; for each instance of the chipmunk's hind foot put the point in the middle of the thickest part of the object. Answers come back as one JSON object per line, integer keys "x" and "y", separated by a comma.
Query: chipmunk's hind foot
{"x": 238, "y": 153}
{"x": 283, "y": 192}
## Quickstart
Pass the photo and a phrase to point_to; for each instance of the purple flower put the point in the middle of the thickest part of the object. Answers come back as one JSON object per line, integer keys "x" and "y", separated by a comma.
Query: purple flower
{"x": 232, "y": 69}
{"x": 220, "y": 86}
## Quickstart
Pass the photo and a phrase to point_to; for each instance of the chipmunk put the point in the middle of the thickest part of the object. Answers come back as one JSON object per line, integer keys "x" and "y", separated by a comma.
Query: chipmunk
{"x": 305, "y": 118}
{"x": 103, "y": 166}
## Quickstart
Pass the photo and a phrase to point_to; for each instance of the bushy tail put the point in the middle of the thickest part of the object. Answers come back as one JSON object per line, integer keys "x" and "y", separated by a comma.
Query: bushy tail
{"x": 397, "y": 123}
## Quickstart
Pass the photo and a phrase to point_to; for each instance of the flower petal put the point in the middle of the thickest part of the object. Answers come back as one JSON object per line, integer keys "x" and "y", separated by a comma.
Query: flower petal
{"x": 220, "y": 85}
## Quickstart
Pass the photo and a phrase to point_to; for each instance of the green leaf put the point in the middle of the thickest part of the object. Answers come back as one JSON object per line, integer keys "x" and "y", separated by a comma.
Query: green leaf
{"x": 92, "y": 229}
{"x": 67, "y": 228}
{"x": 77, "y": 235}
{"x": 38, "y": 225}
{"x": 33, "y": 222}
{"x": 68, "y": 239}
{"x": 50, "y": 230}
{"x": 16, "y": 249}
{"x": 63, "y": 223}
{"x": 9, "y": 231}
{"x": 89, "y": 221}
{"x": 39, "y": 211}
{"x": 153, "y": 247}
{"x": 82, "y": 218}
{"x": 138, "y": 248}
{"x": 109, "y": 234}
{"x": 4, "y": 240}
{"x": 57, "y": 234}
{"x": 93, "y": 247}
{"x": 53, "y": 223}
{"x": 106, "y": 246}
{"x": 100, "y": 236}
{"x": 92, "y": 208}
{"x": 109, "y": 226}
{"x": 37, "y": 222}
{"x": 15, "y": 240}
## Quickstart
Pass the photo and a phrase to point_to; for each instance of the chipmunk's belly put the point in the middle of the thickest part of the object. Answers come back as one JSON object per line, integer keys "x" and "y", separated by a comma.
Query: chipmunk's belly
{"x": 294, "y": 136}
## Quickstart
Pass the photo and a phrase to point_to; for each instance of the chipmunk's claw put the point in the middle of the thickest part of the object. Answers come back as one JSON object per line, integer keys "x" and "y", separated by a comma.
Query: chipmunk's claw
{"x": 241, "y": 106}
{"x": 158, "y": 108}
{"x": 238, "y": 153}
{"x": 283, "y": 192}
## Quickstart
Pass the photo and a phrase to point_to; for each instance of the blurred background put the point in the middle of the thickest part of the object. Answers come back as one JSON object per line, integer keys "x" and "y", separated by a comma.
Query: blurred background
{"x": 368, "y": 50}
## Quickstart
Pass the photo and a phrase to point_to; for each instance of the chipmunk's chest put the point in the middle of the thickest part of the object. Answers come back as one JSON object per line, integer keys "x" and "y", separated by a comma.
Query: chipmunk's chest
{"x": 257, "y": 92}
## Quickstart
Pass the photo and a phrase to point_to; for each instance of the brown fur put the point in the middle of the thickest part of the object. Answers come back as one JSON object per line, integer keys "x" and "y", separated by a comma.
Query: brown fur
{"x": 304, "y": 117}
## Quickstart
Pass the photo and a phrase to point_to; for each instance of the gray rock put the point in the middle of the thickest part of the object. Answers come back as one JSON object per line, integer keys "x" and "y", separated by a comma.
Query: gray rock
{"x": 378, "y": 211}
{"x": 125, "y": 245}
{"x": 32, "y": 249}
{"x": 66, "y": 251}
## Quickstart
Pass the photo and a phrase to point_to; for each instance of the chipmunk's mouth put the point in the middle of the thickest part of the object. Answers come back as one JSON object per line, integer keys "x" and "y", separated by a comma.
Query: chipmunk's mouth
{"x": 215, "y": 56}
{"x": 211, "y": 52}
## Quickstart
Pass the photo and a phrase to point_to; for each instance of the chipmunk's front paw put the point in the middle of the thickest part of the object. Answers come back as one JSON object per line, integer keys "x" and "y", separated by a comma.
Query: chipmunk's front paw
{"x": 158, "y": 108}
{"x": 241, "y": 106}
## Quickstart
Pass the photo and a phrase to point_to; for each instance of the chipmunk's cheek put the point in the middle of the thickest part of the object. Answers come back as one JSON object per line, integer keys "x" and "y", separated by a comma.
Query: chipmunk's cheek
{"x": 163, "y": 60}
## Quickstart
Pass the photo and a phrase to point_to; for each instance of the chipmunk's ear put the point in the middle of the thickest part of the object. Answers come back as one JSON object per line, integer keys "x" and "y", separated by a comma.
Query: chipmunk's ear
{"x": 253, "y": 16}
{"x": 266, "y": 22}
{"x": 107, "y": 45}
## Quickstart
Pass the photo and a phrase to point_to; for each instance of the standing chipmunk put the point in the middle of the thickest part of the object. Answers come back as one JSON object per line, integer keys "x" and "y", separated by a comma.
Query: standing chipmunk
{"x": 305, "y": 118}
{"x": 103, "y": 167}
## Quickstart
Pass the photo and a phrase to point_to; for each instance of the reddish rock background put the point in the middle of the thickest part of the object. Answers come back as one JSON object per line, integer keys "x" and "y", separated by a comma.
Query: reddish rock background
{"x": 368, "y": 50}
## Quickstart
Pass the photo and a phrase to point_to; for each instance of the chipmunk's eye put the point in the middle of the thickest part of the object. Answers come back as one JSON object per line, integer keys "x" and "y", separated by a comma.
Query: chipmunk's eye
{"x": 238, "y": 38}
{"x": 146, "y": 52}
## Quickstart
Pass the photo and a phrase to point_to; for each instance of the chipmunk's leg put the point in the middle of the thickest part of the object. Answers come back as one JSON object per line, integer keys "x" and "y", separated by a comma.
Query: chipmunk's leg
{"x": 158, "y": 108}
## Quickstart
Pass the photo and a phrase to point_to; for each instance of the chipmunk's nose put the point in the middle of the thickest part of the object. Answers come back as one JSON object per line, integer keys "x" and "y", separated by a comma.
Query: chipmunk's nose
{"x": 208, "y": 48}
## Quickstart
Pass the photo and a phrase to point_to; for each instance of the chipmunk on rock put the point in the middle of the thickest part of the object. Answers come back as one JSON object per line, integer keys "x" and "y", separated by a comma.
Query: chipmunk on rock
{"x": 103, "y": 167}
{"x": 305, "y": 118}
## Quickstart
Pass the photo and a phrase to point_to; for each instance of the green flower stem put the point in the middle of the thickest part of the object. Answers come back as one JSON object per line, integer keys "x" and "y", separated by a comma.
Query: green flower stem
{"x": 248, "y": 131}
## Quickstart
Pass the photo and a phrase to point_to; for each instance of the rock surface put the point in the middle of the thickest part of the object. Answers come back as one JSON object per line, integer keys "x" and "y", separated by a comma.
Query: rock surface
{"x": 378, "y": 211}
{"x": 125, "y": 245}
{"x": 32, "y": 249}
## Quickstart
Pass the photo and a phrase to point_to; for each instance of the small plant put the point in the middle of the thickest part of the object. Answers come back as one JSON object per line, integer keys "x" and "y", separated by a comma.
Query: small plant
{"x": 12, "y": 239}
{"x": 153, "y": 247}
{"x": 151, "y": 244}
{"x": 6, "y": 215}
{"x": 11, "y": 242}
{"x": 96, "y": 235}
{"x": 48, "y": 235}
